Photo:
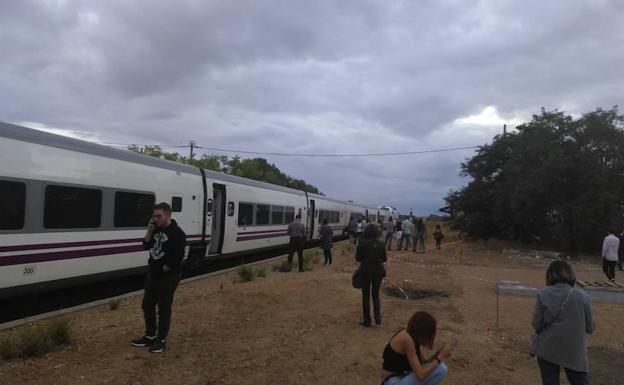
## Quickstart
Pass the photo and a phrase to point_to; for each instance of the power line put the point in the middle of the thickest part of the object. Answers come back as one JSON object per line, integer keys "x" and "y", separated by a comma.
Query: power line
{"x": 194, "y": 146}
{"x": 341, "y": 155}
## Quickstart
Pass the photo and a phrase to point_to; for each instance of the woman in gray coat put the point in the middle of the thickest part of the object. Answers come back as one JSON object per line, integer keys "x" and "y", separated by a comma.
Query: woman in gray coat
{"x": 562, "y": 317}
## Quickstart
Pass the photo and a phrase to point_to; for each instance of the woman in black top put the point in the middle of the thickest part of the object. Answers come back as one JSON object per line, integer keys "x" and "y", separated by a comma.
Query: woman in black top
{"x": 403, "y": 359}
{"x": 371, "y": 254}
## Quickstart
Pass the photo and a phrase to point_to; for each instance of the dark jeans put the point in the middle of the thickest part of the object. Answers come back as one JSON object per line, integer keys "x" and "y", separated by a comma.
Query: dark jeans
{"x": 389, "y": 240}
{"x": 370, "y": 287}
{"x": 550, "y": 374}
{"x": 438, "y": 244}
{"x": 159, "y": 292}
{"x": 296, "y": 244}
{"x": 609, "y": 268}
{"x": 328, "y": 256}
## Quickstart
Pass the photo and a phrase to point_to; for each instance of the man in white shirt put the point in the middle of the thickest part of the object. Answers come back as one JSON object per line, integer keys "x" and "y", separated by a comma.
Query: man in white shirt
{"x": 610, "y": 247}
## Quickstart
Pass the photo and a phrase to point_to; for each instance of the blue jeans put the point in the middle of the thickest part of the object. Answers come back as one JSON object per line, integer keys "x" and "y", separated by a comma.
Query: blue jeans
{"x": 434, "y": 378}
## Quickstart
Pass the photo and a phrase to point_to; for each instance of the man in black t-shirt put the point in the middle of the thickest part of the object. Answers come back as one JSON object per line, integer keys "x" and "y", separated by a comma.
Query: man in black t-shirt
{"x": 165, "y": 241}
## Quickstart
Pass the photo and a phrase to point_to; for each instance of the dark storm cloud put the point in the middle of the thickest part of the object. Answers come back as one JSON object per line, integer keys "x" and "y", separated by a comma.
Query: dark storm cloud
{"x": 311, "y": 77}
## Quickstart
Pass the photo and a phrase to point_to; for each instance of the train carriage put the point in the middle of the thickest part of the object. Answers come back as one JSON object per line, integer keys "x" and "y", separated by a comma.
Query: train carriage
{"x": 73, "y": 212}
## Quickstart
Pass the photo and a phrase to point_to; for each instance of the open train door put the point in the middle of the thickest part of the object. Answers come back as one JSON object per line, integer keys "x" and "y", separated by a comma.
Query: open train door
{"x": 218, "y": 218}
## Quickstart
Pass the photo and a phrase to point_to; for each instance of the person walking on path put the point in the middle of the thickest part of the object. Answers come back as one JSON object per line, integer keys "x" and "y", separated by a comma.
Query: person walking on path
{"x": 352, "y": 228}
{"x": 165, "y": 241}
{"x": 403, "y": 359}
{"x": 359, "y": 230}
{"x": 420, "y": 236}
{"x": 327, "y": 235}
{"x": 296, "y": 231}
{"x": 620, "y": 252}
{"x": 438, "y": 236}
{"x": 389, "y": 229}
{"x": 561, "y": 318}
{"x": 406, "y": 227}
{"x": 371, "y": 254}
{"x": 610, "y": 247}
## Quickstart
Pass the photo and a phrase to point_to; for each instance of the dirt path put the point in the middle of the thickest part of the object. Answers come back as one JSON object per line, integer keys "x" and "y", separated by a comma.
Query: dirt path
{"x": 302, "y": 328}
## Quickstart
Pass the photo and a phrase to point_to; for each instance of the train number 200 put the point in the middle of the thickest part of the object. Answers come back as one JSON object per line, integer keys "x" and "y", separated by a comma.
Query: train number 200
{"x": 29, "y": 270}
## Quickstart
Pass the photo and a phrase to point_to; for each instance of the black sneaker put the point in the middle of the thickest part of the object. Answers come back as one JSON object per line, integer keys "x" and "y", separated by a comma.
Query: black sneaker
{"x": 143, "y": 341}
{"x": 158, "y": 346}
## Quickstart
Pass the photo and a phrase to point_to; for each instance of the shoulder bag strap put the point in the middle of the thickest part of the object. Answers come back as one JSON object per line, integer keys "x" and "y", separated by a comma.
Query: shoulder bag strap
{"x": 560, "y": 310}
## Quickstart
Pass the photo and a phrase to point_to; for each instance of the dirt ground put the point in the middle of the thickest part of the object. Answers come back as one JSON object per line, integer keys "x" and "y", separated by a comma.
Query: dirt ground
{"x": 302, "y": 328}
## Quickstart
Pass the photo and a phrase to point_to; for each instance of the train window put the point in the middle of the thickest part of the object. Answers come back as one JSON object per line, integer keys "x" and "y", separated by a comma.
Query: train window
{"x": 245, "y": 214}
{"x": 277, "y": 215}
{"x": 335, "y": 217}
{"x": 230, "y": 209}
{"x": 262, "y": 214}
{"x": 133, "y": 209}
{"x": 176, "y": 204}
{"x": 72, "y": 207}
{"x": 289, "y": 214}
{"x": 12, "y": 205}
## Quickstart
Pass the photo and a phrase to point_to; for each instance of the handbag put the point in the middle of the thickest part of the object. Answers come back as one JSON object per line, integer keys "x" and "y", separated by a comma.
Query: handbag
{"x": 356, "y": 279}
{"x": 535, "y": 337}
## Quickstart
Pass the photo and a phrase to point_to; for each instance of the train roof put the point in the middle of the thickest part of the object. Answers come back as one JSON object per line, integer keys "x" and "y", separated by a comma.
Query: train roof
{"x": 12, "y": 131}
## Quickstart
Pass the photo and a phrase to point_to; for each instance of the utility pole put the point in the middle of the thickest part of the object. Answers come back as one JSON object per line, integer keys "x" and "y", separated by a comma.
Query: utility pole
{"x": 504, "y": 130}
{"x": 192, "y": 145}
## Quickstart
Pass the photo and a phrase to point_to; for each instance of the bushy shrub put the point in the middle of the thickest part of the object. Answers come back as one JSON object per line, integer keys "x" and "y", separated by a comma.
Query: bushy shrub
{"x": 8, "y": 348}
{"x": 114, "y": 305}
{"x": 59, "y": 331}
{"x": 283, "y": 267}
{"x": 36, "y": 340}
{"x": 246, "y": 273}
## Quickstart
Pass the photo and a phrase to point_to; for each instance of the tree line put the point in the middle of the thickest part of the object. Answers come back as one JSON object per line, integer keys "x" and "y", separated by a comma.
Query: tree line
{"x": 558, "y": 180}
{"x": 256, "y": 168}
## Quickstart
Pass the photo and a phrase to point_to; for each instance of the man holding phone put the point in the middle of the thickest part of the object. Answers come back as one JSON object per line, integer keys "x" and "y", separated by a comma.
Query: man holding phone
{"x": 165, "y": 241}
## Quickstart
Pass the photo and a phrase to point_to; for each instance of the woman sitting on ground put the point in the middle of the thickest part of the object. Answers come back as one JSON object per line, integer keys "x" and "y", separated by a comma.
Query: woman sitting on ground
{"x": 371, "y": 253}
{"x": 402, "y": 356}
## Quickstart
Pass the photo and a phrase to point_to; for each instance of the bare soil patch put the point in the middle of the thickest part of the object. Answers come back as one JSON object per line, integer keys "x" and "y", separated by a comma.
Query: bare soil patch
{"x": 302, "y": 328}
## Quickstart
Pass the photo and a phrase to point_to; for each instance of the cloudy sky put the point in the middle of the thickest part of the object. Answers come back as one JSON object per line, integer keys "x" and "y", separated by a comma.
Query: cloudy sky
{"x": 311, "y": 77}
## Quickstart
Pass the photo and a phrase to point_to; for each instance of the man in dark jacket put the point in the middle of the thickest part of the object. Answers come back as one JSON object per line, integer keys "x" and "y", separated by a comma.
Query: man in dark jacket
{"x": 297, "y": 233}
{"x": 327, "y": 235}
{"x": 165, "y": 241}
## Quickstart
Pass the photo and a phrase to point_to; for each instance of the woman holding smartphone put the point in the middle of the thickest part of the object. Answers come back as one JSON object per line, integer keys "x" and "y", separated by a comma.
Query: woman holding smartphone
{"x": 403, "y": 359}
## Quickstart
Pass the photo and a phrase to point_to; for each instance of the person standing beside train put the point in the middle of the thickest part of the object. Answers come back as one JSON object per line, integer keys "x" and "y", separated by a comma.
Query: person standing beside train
{"x": 165, "y": 241}
{"x": 389, "y": 228}
{"x": 420, "y": 236}
{"x": 296, "y": 231}
{"x": 406, "y": 228}
{"x": 352, "y": 228}
{"x": 327, "y": 235}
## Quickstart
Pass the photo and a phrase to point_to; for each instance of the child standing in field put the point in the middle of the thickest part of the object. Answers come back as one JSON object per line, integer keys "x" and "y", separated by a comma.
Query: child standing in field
{"x": 438, "y": 236}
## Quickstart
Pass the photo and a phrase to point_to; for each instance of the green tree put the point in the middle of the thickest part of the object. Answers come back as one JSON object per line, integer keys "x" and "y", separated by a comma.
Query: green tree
{"x": 557, "y": 180}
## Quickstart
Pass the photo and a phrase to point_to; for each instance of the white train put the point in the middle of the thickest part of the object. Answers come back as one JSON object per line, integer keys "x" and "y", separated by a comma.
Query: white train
{"x": 73, "y": 212}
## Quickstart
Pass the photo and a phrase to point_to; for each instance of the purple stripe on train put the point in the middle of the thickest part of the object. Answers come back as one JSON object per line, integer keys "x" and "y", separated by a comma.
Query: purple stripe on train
{"x": 78, "y": 244}
{"x": 72, "y": 254}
